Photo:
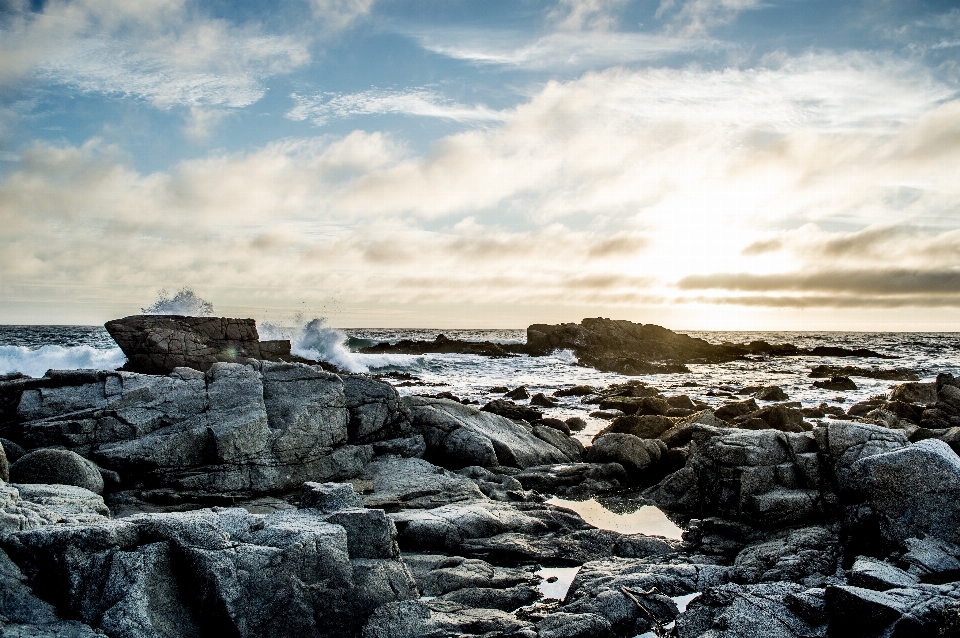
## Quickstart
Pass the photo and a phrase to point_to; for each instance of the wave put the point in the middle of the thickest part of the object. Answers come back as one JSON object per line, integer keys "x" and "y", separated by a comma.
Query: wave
{"x": 317, "y": 341}
{"x": 34, "y": 362}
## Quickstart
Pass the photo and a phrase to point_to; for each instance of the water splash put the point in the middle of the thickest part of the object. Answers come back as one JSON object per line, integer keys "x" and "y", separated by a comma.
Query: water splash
{"x": 35, "y": 362}
{"x": 185, "y": 303}
{"x": 318, "y": 341}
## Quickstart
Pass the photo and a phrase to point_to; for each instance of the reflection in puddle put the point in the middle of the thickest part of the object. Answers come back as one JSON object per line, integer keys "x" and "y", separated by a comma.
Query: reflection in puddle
{"x": 558, "y": 588}
{"x": 647, "y": 520}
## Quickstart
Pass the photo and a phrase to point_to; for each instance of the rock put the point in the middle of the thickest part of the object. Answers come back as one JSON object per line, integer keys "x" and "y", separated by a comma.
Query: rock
{"x": 878, "y": 575}
{"x": 931, "y": 557}
{"x": 808, "y": 555}
{"x": 922, "y": 393}
{"x": 771, "y": 393}
{"x": 437, "y": 574}
{"x": 66, "y": 500}
{"x": 950, "y": 394}
{"x": 570, "y": 447}
{"x": 645, "y": 427}
{"x": 57, "y": 466}
{"x": 412, "y": 446}
{"x": 157, "y": 344}
{"x": 606, "y": 415}
{"x": 491, "y": 598}
{"x": 836, "y": 383}
{"x": 777, "y": 417}
{"x": 519, "y": 393}
{"x": 437, "y": 618}
{"x": 766, "y": 478}
{"x": 459, "y": 436}
{"x": 607, "y": 588}
{"x": 4, "y": 466}
{"x": 556, "y": 424}
{"x": 11, "y": 450}
{"x": 576, "y": 424}
{"x": 400, "y": 483}
{"x": 499, "y": 487}
{"x": 681, "y": 401}
{"x": 847, "y": 442}
{"x": 915, "y": 611}
{"x": 636, "y": 405}
{"x": 236, "y": 430}
{"x": 511, "y": 410}
{"x": 48, "y": 505}
{"x": 766, "y": 610}
{"x": 543, "y": 401}
{"x": 565, "y": 625}
{"x": 289, "y": 573}
{"x": 500, "y": 389}
{"x": 635, "y": 454}
{"x": 576, "y": 391}
{"x": 441, "y": 344}
{"x": 899, "y": 374}
{"x": 573, "y": 479}
{"x": 329, "y": 497}
{"x": 730, "y": 411}
{"x": 898, "y": 488}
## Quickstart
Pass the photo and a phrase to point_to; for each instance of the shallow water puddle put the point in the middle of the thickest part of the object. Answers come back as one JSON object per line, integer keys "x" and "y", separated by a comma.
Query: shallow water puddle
{"x": 558, "y": 588}
{"x": 647, "y": 519}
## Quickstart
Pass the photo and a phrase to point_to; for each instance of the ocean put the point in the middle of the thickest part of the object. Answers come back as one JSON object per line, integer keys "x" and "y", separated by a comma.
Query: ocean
{"x": 32, "y": 350}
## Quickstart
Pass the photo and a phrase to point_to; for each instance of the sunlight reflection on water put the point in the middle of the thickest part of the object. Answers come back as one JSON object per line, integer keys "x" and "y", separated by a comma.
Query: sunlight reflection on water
{"x": 647, "y": 519}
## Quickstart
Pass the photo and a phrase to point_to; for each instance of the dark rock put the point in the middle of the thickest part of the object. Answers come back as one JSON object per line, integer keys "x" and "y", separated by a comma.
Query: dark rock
{"x": 400, "y": 483}
{"x": 437, "y": 574}
{"x": 459, "y": 436}
{"x": 57, "y": 466}
{"x": 512, "y": 410}
{"x": 543, "y": 401}
{"x": 878, "y": 575}
{"x": 681, "y": 401}
{"x": 412, "y": 446}
{"x": 932, "y": 559}
{"x": 507, "y": 599}
{"x": 730, "y": 411}
{"x": 899, "y": 374}
{"x": 576, "y": 391}
{"x": 329, "y": 497}
{"x": 437, "y": 618}
{"x": 606, "y": 415}
{"x": 565, "y": 625}
{"x": 518, "y": 393}
{"x": 156, "y": 344}
{"x": 576, "y": 424}
{"x": 636, "y": 405}
{"x": 766, "y": 610}
{"x": 914, "y": 611}
{"x": 922, "y": 393}
{"x": 644, "y": 427}
{"x": 834, "y": 351}
{"x": 898, "y": 488}
{"x": 556, "y": 424}
{"x": 11, "y": 450}
{"x": 777, "y": 417}
{"x": 578, "y": 480}
{"x": 500, "y": 389}
{"x": 569, "y": 446}
{"x": 836, "y": 383}
{"x": 808, "y": 555}
{"x": 771, "y": 393}
{"x": 441, "y": 344}
{"x": 635, "y": 454}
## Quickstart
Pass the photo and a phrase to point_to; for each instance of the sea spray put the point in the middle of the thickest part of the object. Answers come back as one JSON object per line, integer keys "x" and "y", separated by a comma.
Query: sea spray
{"x": 185, "y": 303}
{"x": 317, "y": 341}
{"x": 34, "y": 362}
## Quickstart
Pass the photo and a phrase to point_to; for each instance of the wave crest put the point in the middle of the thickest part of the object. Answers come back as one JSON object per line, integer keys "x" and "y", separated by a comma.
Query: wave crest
{"x": 34, "y": 362}
{"x": 317, "y": 341}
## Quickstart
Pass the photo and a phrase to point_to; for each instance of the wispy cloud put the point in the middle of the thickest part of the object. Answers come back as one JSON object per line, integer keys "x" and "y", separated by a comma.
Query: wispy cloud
{"x": 418, "y": 102}
{"x": 697, "y": 17}
{"x": 569, "y": 50}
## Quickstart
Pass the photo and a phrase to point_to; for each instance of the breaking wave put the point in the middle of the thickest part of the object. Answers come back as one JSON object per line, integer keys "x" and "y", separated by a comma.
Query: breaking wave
{"x": 35, "y": 362}
{"x": 185, "y": 302}
{"x": 317, "y": 341}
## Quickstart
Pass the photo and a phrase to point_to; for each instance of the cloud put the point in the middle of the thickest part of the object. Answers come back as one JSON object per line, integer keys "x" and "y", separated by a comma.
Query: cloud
{"x": 161, "y": 51}
{"x": 418, "y": 102}
{"x": 572, "y": 50}
{"x": 697, "y": 17}
{"x": 857, "y": 282}
{"x": 576, "y": 15}
{"x": 337, "y": 15}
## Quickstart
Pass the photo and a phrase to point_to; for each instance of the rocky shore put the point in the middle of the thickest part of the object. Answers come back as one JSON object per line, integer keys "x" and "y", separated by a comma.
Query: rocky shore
{"x": 219, "y": 486}
{"x": 623, "y": 347}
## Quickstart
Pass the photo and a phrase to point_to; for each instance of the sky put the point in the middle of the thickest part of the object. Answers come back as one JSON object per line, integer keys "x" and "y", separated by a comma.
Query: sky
{"x": 701, "y": 164}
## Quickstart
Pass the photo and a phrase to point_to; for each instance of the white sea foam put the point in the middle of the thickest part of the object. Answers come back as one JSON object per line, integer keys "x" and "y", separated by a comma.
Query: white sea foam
{"x": 318, "y": 341}
{"x": 185, "y": 302}
{"x": 35, "y": 362}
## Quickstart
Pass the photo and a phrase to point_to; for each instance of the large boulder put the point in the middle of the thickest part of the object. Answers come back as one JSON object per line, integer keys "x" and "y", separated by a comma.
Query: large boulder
{"x": 235, "y": 430}
{"x": 290, "y": 573}
{"x": 57, "y": 466}
{"x": 922, "y": 393}
{"x": 913, "y": 491}
{"x": 400, "y": 483}
{"x": 156, "y": 344}
{"x": 458, "y": 436}
{"x": 765, "y": 477}
{"x": 636, "y": 455}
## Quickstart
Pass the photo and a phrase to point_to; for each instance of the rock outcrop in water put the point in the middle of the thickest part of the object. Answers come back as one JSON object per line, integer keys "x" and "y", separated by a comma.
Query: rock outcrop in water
{"x": 355, "y": 512}
{"x": 158, "y": 344}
